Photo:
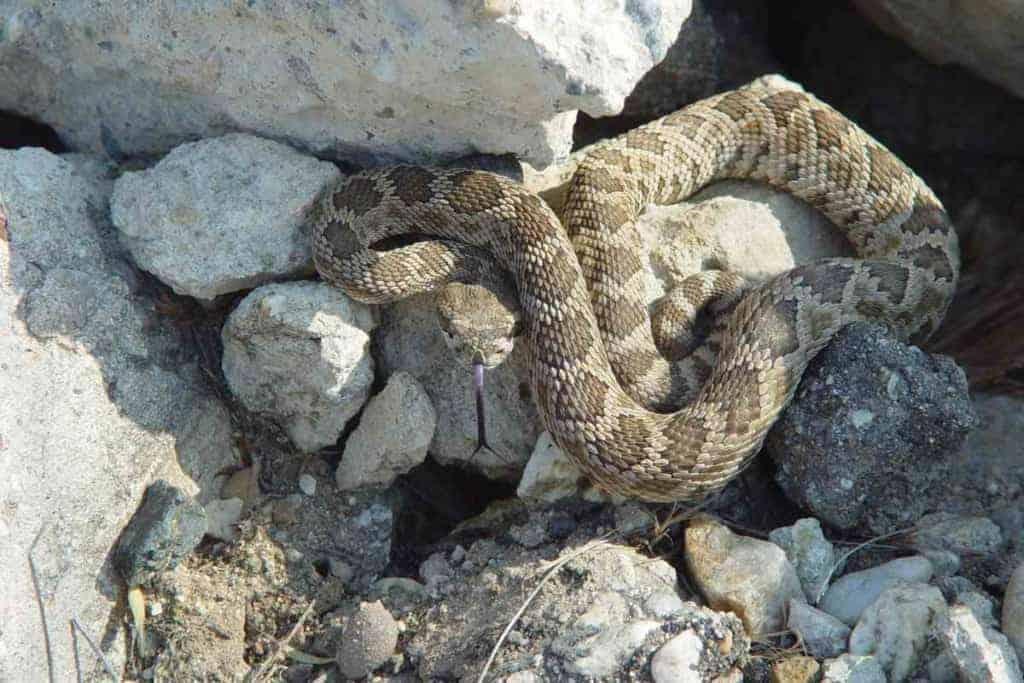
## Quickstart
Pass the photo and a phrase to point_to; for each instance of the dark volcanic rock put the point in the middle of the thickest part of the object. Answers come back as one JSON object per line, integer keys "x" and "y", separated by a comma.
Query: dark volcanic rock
{"x": 870, "y": 435}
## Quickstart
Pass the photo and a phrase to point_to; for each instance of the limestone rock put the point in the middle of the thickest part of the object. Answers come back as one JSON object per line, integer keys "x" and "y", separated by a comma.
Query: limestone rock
{"x": 99, "y": 398}
{"x": 895, "y": 627}
{"x": 360, "y": 81}
{"x": 852, "y": 669}
{"x": 979, "y": 653}
{"x": 222, "y": 215}
{"x": 392, "y": 437}
{"x": 299, "y": 353}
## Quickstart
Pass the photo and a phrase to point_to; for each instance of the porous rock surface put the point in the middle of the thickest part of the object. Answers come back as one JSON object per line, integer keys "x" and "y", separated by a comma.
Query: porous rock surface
{"x": 362, "y": 81}
{"x": 99, "y": 396}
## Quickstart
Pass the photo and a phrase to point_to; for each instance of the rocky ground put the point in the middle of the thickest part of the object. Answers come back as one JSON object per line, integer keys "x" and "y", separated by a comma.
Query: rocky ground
{"x": 214, "y": 466}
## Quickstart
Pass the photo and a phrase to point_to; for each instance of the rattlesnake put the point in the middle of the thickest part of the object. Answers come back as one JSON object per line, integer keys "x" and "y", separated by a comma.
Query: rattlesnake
{"x": 600, "y": 385}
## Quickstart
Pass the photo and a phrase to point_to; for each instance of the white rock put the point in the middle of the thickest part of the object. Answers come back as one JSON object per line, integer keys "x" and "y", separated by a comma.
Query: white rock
{"x": 982, "y": 36}
{"x": 1013, "y": 610}
{"x": 848, "y": 597}
{"x": 299, "y": 352}
{"x": 96, "y": 402}
{"x": 822, "y": 634}
{"x": 549, "y": 474}
{"x": 363, "y": 81}
{"x": 744, "y": 575}
{"x": 852, "y": 669}
{"x": 222, "y": 215}
{"x": 678, "y": 659}
{"x": 979, "y": 653}
{"x": 392, "y": 437}
{"x": 736, "y": 225}
{"x": 810, "y": 554}
{"x": 895, "y": 627}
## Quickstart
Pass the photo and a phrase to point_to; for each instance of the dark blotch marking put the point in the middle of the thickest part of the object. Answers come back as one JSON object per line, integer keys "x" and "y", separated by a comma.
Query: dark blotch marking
{"x": 475, "y": 191}
{"x": 603, "y": 180}
{"x": 734, "y": 105}
{"x": 892, "y": 279}
{"x": 412, "y": 184}
{"x": 831, "y": 127}
{"x": 931, "y": 258}
{"x": 871, "y": 310}
{"x": 777, "y": 329}
{"x": 927, "y": 218}
{"x": 827, "y": 281}
{"x": 358, "y": 195}
{"x": 782, "y": 104}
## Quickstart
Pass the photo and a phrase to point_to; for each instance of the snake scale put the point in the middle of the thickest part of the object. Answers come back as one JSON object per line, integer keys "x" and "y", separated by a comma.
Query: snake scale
{"x": 601, "y": 386}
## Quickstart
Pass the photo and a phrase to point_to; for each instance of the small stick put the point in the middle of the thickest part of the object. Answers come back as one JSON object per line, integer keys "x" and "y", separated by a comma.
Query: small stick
{"x": 98, "y": 652}
{"x": 279, "y": 645}
{"x": 39, "y": 601}
{"x": 526, "y": 603}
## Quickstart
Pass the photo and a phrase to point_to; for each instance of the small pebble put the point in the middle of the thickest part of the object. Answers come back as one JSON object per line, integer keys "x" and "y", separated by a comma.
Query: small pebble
{"x": 307, "y": 484}
{"x": 368, "y": 642}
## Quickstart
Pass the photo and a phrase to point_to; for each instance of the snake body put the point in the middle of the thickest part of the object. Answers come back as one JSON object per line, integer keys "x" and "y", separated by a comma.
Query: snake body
{"x": 600, "y": 384}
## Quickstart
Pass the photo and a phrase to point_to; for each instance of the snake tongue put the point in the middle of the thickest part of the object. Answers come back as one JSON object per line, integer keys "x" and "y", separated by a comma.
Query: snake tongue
{"x": 481, "y": 422}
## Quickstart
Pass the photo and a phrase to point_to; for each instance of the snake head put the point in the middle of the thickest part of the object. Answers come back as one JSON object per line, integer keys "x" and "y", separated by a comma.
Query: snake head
{"x": 479, "y": 323}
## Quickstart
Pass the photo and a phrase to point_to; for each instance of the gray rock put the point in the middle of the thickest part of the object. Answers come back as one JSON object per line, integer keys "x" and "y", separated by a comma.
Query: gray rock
{"x": 979, "y": 653}
{"x": 871, "y": 432}
{"x": 549, "y": 475}
{"x": 365, "y": 82}
{"x": 981, "y": 607}
{"x": 848, "y": 597}
{"x": 1013, "y": 610}
{"x": 852, "y": 669}
{"x": 810, "y": 554}
{"x": 983, "y": 38}
{"x": 99, "y": 398}
{"x": 165, "y": 529}
{"x": 895, "y": 627}
{"x": 956, "y": 533}
{"x": 718, "y": 47}
{"x": 944, "y": 562}
{"x": 820, "y": 633}
{"x": 409, "y": 340}
{"x": 603, "y": 616}
{"x": 222, "y": 215}
{"x": 370, "y": 637}
{"x": 678, "y": 659}
{"x": 744, "y": 575}
{"x": 392, "y": 437}
{"x": 298, "y": 352}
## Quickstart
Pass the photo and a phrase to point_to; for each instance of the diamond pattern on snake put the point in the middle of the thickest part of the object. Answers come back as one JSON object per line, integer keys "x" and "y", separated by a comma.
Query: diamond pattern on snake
{"x": 635, "y": 412}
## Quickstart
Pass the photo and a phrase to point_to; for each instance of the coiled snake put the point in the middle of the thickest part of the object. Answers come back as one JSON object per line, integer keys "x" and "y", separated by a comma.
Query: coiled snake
{"x": 600, "y": 384}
